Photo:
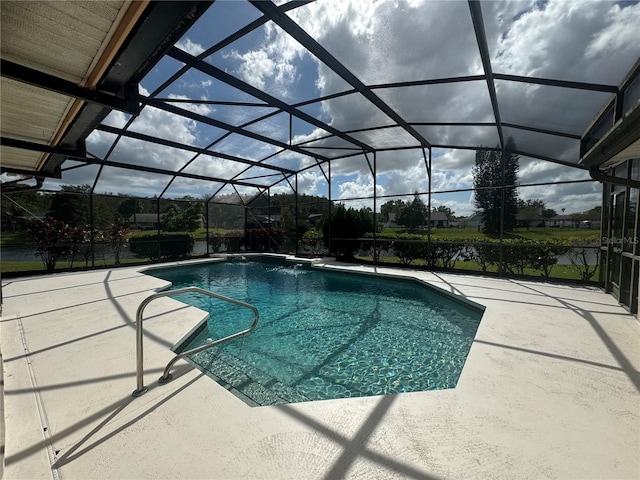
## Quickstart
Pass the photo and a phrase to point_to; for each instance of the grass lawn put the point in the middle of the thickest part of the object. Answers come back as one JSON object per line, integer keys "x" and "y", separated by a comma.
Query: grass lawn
{"x": 200, "y": 234}
{"x": 569, "y": 235}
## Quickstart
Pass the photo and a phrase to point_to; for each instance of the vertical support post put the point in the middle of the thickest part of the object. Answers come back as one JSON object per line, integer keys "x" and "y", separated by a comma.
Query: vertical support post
{"x": 428, "y": 200}
{"x": 375, "y": 217}
{"x": 297, "y": 214}
{"x": 206, "y": 218}
{"x": 636, "y": 253}
{"x": 611, "y": 213}
{"x": 330, "y": 211}
{"x": 604, "y": 231}
{"x": 269, "y": 205}
{"x": 246, "y": 231}
{"x": 503, "y": 194}
{"x": 158, "y": 228}
{"x": 271, "y": 241}
{"x": 92, "y": 239}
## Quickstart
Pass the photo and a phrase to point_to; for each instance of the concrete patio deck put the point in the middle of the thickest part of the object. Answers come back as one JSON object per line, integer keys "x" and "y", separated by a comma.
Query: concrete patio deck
{"x": 550, "y": 389}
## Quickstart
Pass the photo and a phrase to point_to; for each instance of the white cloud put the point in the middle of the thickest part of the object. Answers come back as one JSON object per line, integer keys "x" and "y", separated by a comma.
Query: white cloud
{"x": 159, "y": 123}
{"x": 199, "y": 108}
{"x": 271, "y": 65}
{"x": 190, "y": 47}
{"x": 361, "y": 186}
{"x": 444, "y": 180}
{"x": 595, "y": 41}
{"x": 405, "y": 180}
{"x": 592, "y": 42}
{"x": 154, "y": 122}
{"x": 116, "y": 119}
{"x": 573, "y": 198}
{"x": 308, "y": 182}
{"x": 576, "y": 197}
{"x": 459, "y": 208}
{"x": 255, "y": 67}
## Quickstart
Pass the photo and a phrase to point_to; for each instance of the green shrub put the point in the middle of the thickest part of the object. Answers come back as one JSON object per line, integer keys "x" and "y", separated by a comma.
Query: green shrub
{"x": 172, "y": 245}
{"x": 408, "y": 247}
{"x": 545, "y": 256}
{"x": 265, "y": 239}
{"x": 312, "y": 241}
{"x": 520, "y": 254}
{"x": 383, "y": 242}
{"x": 53, "y": 239}
{"x": 446, "y": 253}
{"x": 215, "y": 241}
{"x": 485, "y": 254}
{"x": 233, "y": 240}
{"x": 580, "y": 262}
{"x": 117, "y": 235}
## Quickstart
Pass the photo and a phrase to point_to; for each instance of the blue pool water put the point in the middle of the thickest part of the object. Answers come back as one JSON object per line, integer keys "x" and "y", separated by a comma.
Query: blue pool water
{"x": 324, "y": 334}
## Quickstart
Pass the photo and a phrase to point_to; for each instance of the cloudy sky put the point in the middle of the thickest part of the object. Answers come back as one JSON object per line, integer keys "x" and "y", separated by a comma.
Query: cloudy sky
{"x": 383, "y": 42}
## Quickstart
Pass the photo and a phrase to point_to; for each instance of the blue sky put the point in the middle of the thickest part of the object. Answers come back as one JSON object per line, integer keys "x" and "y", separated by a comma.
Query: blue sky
{"x": 381, "y": 42}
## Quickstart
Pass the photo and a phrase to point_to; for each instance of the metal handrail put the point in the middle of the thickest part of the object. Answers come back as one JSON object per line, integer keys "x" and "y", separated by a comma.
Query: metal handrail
{"x": 166, "y": 376}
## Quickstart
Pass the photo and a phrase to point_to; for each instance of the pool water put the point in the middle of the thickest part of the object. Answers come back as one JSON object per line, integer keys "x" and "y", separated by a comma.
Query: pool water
{"x": 323, "y": 334}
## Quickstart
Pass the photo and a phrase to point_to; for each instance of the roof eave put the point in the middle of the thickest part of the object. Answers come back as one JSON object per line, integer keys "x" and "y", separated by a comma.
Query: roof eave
{"x": 158, "y": 26}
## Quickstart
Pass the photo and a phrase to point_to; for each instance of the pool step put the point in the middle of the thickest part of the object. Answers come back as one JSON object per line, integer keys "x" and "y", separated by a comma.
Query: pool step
{"x": 245, "y": 381}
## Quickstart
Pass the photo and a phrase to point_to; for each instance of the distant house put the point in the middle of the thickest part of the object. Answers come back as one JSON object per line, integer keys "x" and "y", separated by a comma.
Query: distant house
{"x": 144, "y": 221}
{"x": 275, "y": 220}
{"x": 149, "y": 221}
{"x": 439, "y": 220}
{"x": 314, "y": 218}
{"x": 560, "y": 221}
{"x": 391, "y": 221}
{"x": 527, "y": 217}
{"x": 268, "y": 220}
{"x": 570, "y": 221}
{"x": 473, "y": 221}
{"x": 590, "y": 224}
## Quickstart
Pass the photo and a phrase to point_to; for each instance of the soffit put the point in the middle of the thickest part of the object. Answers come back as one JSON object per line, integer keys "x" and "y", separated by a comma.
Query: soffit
{"x": 66, "y": 39}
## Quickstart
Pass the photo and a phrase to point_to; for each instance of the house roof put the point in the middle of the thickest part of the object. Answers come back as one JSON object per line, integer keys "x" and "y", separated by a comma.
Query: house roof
{"x": 529, "y": 216}
{"x": 144, "y": 218}
{"x": 438, "y": 216}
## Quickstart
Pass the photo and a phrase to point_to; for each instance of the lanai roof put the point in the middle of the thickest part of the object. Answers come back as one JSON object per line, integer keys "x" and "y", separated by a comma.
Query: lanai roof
{"x": 248, "y": 96}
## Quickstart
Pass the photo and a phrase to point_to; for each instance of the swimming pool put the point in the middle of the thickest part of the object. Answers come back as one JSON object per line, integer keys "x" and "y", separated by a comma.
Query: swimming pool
{"x": 324, "y": 334}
